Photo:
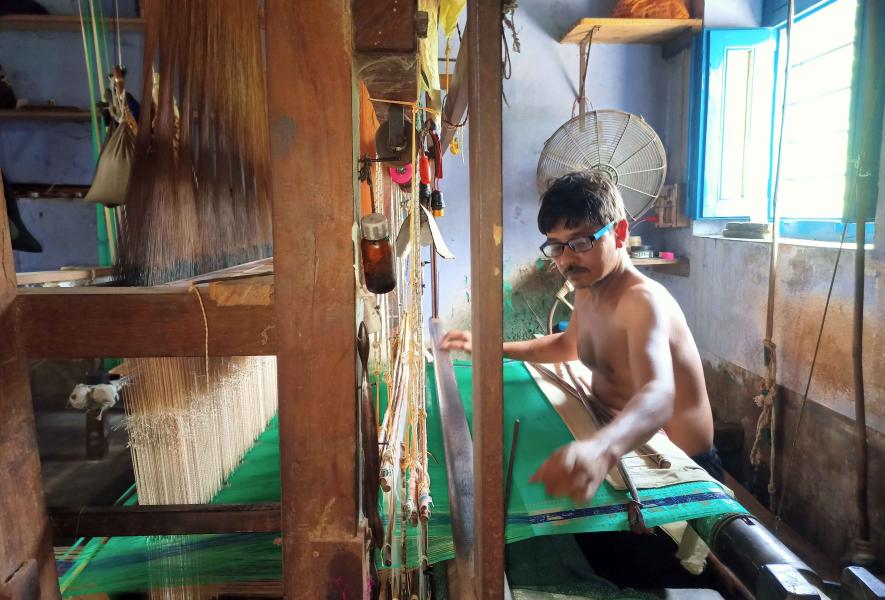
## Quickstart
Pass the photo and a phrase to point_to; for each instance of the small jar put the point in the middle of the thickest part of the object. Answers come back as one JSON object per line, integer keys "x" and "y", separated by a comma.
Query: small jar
{"x": 377, "y": 253}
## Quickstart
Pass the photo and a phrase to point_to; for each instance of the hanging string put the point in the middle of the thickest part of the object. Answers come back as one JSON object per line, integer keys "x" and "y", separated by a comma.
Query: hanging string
{"x": 119, "y": 39}
{"x": 582, "y": 84}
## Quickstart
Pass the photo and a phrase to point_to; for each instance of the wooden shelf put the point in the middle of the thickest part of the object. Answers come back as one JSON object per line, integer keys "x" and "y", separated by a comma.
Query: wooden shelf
{"x": 63, "y": 23}
{"x": 629, "y": 31}
{"x": 75, "y": 193}
{"x": 64, "y": 275}
{"x": 45, "y": 114}
{"x": 668, "y": 266}
{"x": 647, "y": 262}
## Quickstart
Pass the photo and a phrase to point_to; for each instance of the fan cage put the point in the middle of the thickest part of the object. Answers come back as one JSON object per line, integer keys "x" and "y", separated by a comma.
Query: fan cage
{"x": 618, "y": 144}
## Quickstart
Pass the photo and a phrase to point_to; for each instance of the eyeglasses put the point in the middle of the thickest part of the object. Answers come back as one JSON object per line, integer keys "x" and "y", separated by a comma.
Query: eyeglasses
{"x": 583, "y": 243}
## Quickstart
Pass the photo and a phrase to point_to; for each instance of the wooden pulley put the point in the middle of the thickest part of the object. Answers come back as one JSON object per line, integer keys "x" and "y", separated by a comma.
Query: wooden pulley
{"x": 393, "y": 140}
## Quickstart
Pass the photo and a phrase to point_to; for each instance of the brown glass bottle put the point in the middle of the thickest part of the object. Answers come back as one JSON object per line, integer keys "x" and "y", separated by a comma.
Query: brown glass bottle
{"x": 377, "y": 254}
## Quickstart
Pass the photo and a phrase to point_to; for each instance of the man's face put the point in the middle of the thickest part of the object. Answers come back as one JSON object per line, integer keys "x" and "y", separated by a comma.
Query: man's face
{"x": 584, "y": 269}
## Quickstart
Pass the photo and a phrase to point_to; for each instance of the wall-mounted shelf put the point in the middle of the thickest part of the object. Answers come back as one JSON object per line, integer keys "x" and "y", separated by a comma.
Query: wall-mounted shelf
{"x": 45, "y": 114}
{"x": 668, "y": 266}
{"x": 63, "y": 23}
{"x": 76, "y": 193}
{"x": 629, "y": 31}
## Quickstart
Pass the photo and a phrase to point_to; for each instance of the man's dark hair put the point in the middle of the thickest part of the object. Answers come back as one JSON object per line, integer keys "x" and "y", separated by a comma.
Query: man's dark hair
{"x": 578, "y": 198}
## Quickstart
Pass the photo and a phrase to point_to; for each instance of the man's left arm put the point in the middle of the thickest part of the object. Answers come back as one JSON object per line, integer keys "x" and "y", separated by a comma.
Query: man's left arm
{"x": 578, "y": 469}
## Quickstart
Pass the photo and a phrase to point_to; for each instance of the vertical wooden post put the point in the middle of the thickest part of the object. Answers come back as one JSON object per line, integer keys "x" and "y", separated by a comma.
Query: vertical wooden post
{"x": 486, "y": 238}
{"x": 311, "y": 118}
{"x": 27, "y": 565}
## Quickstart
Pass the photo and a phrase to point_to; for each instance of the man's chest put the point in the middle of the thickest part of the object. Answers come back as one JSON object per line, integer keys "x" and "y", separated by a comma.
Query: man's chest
{"x": 602, "y": 344}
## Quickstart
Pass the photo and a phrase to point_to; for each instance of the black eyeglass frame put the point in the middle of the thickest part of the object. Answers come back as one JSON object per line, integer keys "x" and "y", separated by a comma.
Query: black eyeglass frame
{"x": 557, "y": 248}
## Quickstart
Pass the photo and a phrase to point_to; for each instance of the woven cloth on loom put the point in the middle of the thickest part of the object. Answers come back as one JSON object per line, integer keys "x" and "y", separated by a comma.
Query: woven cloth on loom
{"x": 133, "y": 563}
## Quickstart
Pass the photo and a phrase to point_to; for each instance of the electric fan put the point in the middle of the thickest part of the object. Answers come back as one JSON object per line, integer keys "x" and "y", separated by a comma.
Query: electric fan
{"x": 620, "y": 145}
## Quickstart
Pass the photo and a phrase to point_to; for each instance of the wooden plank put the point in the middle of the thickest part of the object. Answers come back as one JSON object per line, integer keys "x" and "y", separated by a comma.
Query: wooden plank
{"x": 45, "y": 114}
{"x": 63, "y": 23}
{"x": 25, "y": 529}
{"x": 384, "y": 26}
{"x": 629, "y": 31}
{"x": 458, "y": 447}
{"x": 486, "y": 282}
{"x": 89, "y": 322}
{"x": 75, "y": 193}
{"x": 386, "y": 50}
{"x": 455, "y": 107}
{"x": 63, "y": 275}
{"x": 311, "y": 112}
{"x": 169, "y": 519}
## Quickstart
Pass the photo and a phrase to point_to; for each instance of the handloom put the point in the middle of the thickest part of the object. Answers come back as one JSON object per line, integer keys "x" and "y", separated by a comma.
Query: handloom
{"x": 197, "y": 202}
{"x": 122, "y": 564}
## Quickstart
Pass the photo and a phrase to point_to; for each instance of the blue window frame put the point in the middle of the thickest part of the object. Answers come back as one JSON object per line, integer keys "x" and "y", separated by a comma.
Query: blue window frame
{"x": 736, "y": 111}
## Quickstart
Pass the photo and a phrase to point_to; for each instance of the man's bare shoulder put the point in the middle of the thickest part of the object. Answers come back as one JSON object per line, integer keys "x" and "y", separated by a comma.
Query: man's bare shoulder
{"x": 644, "y": 296}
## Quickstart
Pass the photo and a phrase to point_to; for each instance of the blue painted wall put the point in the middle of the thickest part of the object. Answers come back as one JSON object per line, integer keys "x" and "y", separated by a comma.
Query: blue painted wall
{"x": 541, "y": 92}
{"x": 44, "y": 67}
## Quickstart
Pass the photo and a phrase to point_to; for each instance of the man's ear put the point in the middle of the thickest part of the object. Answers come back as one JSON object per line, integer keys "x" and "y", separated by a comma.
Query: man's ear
{"x": 621, "y": 231}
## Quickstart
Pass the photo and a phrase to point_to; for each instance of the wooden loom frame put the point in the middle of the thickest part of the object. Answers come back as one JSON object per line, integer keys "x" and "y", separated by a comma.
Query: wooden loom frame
{"x": 313, "y": 186}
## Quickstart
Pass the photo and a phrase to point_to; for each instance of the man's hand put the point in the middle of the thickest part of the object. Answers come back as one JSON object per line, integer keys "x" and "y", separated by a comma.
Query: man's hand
{"x": 576, "y": 470}
{"x": 457, "y": 340}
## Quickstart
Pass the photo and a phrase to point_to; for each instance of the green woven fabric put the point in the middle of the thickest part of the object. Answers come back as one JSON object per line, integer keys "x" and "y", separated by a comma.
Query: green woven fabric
{"x": 122, "y": 564}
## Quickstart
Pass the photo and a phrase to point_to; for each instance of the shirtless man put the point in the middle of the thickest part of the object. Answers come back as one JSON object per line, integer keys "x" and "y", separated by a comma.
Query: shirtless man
{"x": 626, "y": 328}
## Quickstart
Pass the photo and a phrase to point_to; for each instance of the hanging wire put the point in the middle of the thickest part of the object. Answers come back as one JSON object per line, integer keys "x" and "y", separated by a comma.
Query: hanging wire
{"x": 792, "y": 453}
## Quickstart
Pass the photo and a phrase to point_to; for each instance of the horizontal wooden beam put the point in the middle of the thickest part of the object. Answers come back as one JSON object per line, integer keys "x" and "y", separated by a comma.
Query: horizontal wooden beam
{"x": 384, "y": 26}
{"x": 91, "y": 322}
{"x": 171, "y": 519}
{"x": 33, "y": 23}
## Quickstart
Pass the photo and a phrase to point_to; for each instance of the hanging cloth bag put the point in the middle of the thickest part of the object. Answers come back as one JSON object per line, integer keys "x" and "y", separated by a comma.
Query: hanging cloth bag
{"x": 114, "y": 165}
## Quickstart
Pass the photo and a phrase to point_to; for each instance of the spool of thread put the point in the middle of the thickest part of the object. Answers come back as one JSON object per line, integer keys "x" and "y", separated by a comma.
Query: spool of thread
{"x": 401, "y": 175}
{"x": 667, "y": 255}
{"x": 633, "y": 241}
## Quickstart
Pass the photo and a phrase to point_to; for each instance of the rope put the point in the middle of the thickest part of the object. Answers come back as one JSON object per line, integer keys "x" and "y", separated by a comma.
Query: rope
{"x": 765, "y": 401}
{"x": 193, "y": 288}
{"x": 119, "y": 42}
{"x": 768, "y": 417}
{"x": 582, "y": 85}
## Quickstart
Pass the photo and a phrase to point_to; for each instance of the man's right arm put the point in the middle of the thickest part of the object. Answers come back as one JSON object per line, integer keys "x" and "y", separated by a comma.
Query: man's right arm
{"x": 553, "y": 348}
{"x": 557, "y": 347}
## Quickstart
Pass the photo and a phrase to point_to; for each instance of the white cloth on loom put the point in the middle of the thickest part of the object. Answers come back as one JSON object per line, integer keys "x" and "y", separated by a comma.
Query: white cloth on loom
{"x": 645, "y": 473}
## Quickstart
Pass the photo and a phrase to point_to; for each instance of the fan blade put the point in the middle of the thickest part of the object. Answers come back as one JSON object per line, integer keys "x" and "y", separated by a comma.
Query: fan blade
{"x": 563, "y": 161}
{"x": 647, "y": 144}
{"x": 590, "y": 163}
{"x": 661, "y": 168}
{"x": 635, "y": 190}
{"x": 620, "y": 137}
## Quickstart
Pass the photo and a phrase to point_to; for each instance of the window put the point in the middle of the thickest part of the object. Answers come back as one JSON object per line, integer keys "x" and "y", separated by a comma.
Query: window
{"x": 815, "y": 147}
{"x": 738, "y": 97}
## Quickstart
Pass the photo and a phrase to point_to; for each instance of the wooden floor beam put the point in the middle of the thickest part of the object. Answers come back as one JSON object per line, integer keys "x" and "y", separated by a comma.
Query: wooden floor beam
{"x": 168, "y": 519}
{"x": 89, "y": 322}
{"x": 486, "y": 282}
{"x": 27, "y": 565}
{"x": 311, "y": 108}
